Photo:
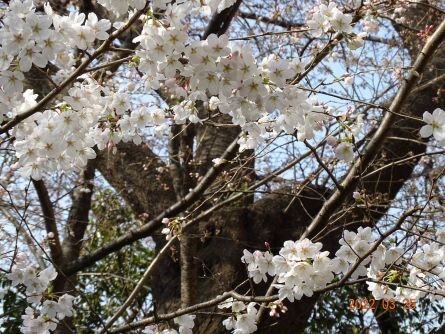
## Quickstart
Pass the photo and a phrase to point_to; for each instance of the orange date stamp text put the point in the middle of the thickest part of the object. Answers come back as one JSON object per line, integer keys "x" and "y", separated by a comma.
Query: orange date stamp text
{"x": 390, "y": 304}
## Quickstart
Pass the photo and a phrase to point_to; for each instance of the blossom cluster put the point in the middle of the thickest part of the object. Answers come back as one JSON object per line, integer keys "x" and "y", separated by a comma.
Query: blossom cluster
{"x": 173, "y": 227}
{"x": 185, "y": 322}
{"x": 58, "y": 138}
{"x": 40, "y": 316}
{"x": 302, "y": 267}
{"x": 122, "y": 7}
{"x": 30, "y": 39}
{"x": 214, "y": 72}
{"x": 329, "y": 17}
{"x": 243, "y": 318}
{"x": 206, "y": 6}
{"x": 61, "y": 138}
{"x": 258, "y": 96}
{"x": 225, "y": 76}
{"x": 425, "y": 272}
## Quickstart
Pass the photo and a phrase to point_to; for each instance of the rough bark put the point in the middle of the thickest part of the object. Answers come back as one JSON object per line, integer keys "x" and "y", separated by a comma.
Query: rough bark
{"x": 221, "y": 240}
{"x": 73, "y": 237}
{"x": 139, "y": 176}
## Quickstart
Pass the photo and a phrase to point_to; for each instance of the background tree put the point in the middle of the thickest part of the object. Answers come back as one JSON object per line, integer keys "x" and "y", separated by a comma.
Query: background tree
{"x": 97, "y": 226}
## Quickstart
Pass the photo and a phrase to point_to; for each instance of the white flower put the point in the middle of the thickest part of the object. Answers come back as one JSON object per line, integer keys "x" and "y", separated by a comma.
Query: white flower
{"x": 50, "y": 309}
{"x": 65, "y": 306}
{"x": 169, "y": 331}
{"x": 218, "y": 161}
{"x": 346, "y": 253}
{"x": 217, "y": 46}
{"x": 167, "y": 232}
{"x": 285, "y": 292}
{"x": 307, "y": 249}
{"x": 39, "y": 25}
{"x": 378, "y": 258}
{"x": 83, "y": 37}
{"x": 290, "y": 251}
{"x": 393, "y": 254}
{"x": 16, "y": 276}
{"x": 348, "y": 79}
{"x": 238, "y": 306}
{"x": 117, "y": 6}
{"x": 12, "y": 82}
{"x": 186, "y": 322}
{"x": 339, "y": 265}
{"x": 265, "y": 264}
{"x": 361, "y": 247}
{"x": 281, "y": 264}
{"x": 229, "y": 323}
{"x": 149, "y": 330}
{"x": 318, "y": 24}
{"x": 365, "y": 234}
{"x": 341, "y": 22}
{"x": 302, "y": 290}
{"x": 213, "y": 103}
{"x": 99, "y": 28}
{"x": 329, "y": 11}
{"x": 344, "y": 152}
{"x": 380, "y": 291}
{"x": 441, "y": 235}
{"x": 47, "y": 275}
{"x": 29, "y": 55}
{"x": 435, "y": 124}
{"x": 218, "y": 6}
{"x": 246, "y": 323}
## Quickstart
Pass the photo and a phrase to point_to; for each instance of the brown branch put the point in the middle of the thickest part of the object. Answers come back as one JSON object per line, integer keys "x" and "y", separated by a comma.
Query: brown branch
{"x": 74, "y": 234}
{"x": 289, "y": 25}
{"x": 174, "y": 152}
{"x": 148, "y": 228}
{"x": 79, "y": 213}
{"x": 218, "y": 25}
{"x": 50, "y": 221}
{"x": 274, "y": 20}
{"x": 322, "y": 164}
{"x": 220, "y": 22}
{"x": 192, "y": 309}
{"x": 373, "y": 147}
{"x": 140, "y": 285}
{"x": 438, "y": 80}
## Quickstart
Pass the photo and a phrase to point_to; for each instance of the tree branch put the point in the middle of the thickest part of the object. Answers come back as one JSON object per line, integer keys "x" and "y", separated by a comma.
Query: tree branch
{"x": 144, "y": 231}
{"x": 221, "y": 22}
{"x": 274, "y": 20}
{"x": 79, "y": 213}
{"x": 375, "y": 144}
{"x": 50, "y": 222}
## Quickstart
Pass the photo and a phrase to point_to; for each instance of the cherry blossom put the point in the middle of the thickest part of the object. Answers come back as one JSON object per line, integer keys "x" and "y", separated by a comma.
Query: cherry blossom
{"x": 344, "y": 151}
{"x": 40, "y": 316}
{"x": 435, "y": 125}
